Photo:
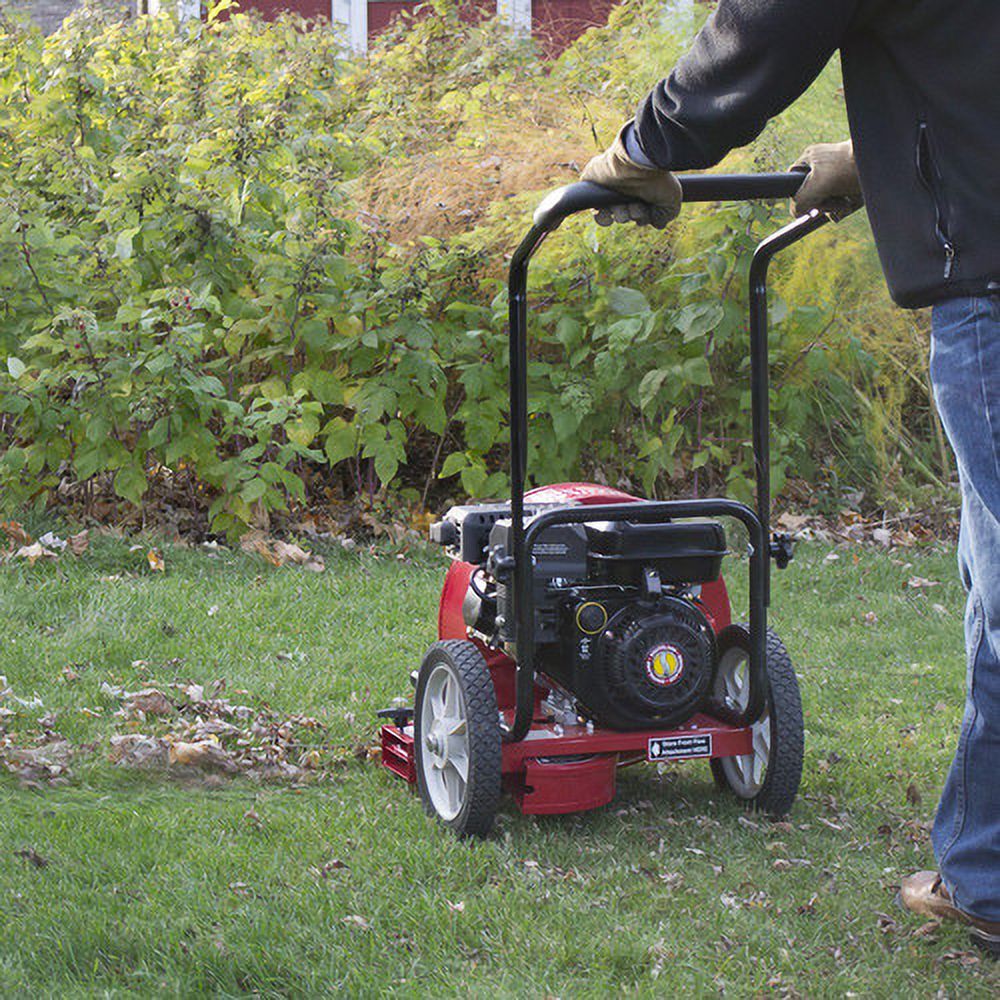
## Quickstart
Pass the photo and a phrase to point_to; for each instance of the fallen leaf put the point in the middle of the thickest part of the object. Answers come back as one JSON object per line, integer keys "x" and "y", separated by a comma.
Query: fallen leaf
{"x": 456, "y": 907}
{"x": 138, "y": 750}
{"x": 32, "y": 857}
{"x": 354, "y": 920}
{"x": 149, "y": 701}
{"x": 289, "y": 552}
{"x": 155, "y": 560}
{"x": 913, "y": 795}
{"x": 920, "y": 583}
{"x": 334, "y": 865}
{"x": 79, "y": 543}
{"x": 792, "y": 522}
{"x": 205, "y": 755}
{"x": 34, "y": 552}
{"x": 962, "y": 957}
{"x": 51, "y": 540}
{"x": 15, "y": 532}
{"x": 255, "y": 543}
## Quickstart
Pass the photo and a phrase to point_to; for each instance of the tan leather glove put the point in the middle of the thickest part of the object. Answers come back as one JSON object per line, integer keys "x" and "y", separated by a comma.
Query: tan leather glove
{"x": 832, "y": 185}
{"x": 657, "y": 192}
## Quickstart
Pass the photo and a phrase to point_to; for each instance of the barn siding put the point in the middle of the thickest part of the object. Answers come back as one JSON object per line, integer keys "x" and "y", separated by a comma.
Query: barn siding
{"x": 47, "y": 14}
{"x": 50, "y": 14}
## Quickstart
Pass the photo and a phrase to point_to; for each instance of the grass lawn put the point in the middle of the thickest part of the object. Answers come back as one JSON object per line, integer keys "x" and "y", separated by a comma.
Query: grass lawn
{"x": 160, "y": 886}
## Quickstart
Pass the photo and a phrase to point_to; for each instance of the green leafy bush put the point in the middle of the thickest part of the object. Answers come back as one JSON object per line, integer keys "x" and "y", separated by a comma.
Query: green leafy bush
{"x": 200, "y": 291}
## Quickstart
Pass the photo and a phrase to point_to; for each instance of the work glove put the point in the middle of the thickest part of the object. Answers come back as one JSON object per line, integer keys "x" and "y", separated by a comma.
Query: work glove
{"x": 832, "y": 185}
{"x": 657, "y": 192}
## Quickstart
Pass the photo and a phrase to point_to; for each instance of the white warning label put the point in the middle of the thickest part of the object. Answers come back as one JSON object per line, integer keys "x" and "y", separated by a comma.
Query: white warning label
{"x": 679, "y": 747}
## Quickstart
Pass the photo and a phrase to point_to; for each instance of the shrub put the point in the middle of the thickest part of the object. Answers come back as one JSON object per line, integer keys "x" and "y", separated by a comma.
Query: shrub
{"x": 241, "y": 268}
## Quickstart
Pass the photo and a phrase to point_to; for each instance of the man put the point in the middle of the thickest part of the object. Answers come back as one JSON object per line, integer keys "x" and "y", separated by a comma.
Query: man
{"x": 922, "y": 82}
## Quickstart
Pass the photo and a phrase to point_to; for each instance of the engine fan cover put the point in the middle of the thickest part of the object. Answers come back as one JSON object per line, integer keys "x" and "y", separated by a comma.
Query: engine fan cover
{"x": 658, "y": 662}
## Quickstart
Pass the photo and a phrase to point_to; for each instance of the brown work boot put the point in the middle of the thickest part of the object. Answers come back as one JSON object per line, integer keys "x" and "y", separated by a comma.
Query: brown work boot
{"x": 924, "y": 893}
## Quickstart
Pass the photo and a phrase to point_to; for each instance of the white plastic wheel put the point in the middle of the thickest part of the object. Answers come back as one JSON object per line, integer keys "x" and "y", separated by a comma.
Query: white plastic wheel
{"x": 444, "y": 742}
{"x": 456, "y": 735}
{"x": 744, "y": 774}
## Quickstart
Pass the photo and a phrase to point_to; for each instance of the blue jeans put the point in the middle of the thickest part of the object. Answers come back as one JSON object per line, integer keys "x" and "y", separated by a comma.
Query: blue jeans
{"x": 965, "y": 375}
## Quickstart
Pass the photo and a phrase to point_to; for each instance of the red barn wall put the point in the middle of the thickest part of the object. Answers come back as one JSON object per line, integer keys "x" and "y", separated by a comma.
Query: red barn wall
{"x": 381, "y": 12}
{"x": 556, "y": 23}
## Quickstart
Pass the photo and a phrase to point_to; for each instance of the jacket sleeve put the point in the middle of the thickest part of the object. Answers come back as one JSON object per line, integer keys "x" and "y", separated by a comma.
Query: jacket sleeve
{"x": 748, "y": 63}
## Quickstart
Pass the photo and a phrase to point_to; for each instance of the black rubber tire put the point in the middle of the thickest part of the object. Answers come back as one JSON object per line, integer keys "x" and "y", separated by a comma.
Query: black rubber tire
{"x": 784, "y": 768}
{"x": 466, "y": 662}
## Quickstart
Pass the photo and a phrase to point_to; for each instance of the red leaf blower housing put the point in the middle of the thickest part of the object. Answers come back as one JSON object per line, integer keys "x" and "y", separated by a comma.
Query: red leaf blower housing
{"x": 582, "y": 629}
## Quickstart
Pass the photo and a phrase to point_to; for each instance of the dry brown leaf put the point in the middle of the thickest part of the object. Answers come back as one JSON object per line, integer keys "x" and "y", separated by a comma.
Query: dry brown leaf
{"x": 15, "y": 532}
{"x": 205, "y": 755}
{"x": 32, "y": 857}
{"x": 48, "y": 762}
{"x": 252, "y": 816}
{"x": 137, "y": 750}
{"x": 333, "y": 865}
{"x": 792, "y": 522}
{"x": 34, "y": 552}
{"x": 149, "y": 701}
{"x": 78, "y": 543}
{"x": 919, "y": 583}
{"x": 290, "y": 552}
{"x": 962, "y": 957}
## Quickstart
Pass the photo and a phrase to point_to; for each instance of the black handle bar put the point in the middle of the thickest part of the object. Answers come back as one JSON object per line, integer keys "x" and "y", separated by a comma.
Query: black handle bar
{"x": 583, "y": 195}
{"x": 556, "y": 207}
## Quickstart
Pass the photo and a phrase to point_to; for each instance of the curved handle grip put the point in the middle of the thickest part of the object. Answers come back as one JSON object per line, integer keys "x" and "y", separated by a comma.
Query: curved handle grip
{"x": 584, "y": 195}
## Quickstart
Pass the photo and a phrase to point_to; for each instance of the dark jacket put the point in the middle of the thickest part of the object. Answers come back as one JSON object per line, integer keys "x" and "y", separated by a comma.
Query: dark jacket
{"x": 922, "y": 81}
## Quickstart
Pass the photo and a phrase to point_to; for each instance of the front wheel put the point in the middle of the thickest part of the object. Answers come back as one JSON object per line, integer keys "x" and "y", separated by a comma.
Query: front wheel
{"x": 456, "y": 735}
{"x": 766, "y": 779}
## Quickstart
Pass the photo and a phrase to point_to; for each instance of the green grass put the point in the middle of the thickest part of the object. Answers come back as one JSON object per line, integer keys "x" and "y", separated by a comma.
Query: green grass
{"x": 161, "y": 887}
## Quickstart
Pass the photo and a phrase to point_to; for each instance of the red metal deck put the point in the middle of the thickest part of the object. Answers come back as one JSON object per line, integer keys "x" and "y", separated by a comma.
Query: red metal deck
{"x": 567, "y": 769}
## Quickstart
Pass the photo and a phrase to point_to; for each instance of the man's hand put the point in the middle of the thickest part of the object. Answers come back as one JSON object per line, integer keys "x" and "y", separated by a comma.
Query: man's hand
{"x": 832, "y": 185}
{"x": 657, "y": 192}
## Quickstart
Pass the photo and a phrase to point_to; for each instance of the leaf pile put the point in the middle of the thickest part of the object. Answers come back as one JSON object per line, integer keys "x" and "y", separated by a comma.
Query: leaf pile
{"x": 17, "y": 543}
{"x": 182, "y": 727}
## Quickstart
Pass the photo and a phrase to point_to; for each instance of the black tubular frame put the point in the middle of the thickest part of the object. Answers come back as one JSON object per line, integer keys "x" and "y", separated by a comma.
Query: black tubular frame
{"x": 553, "y": 210}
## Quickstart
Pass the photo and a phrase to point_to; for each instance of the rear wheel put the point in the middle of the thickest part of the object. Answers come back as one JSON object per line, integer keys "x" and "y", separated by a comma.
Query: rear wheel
{"x": 457, "y": 738}
{"x": 768, "y": 777}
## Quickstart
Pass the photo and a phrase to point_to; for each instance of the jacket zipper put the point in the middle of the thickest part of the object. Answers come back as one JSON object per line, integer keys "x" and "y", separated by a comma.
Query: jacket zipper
{"x": 931, "y": 180}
